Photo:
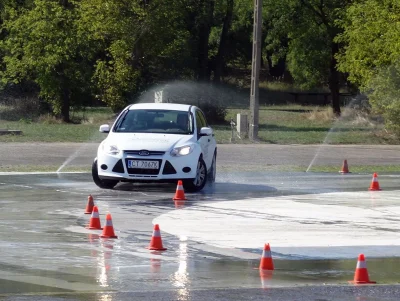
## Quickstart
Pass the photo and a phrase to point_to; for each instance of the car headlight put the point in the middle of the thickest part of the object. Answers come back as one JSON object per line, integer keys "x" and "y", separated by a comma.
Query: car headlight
{"x": 111, "y": 149}
{"x": 182, "y": 151}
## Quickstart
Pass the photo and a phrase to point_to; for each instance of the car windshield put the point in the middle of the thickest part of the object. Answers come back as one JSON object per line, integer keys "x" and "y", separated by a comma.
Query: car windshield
{"x": 155, "y": 121}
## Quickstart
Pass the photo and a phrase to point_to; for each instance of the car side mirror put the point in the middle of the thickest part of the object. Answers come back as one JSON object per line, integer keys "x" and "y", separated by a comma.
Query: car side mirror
{"x": 105, "y": 128}
{"x": 206, "y": 131}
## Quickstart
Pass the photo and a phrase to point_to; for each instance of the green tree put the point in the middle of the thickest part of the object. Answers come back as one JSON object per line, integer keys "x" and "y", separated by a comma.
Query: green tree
{"x": 114, "y": 30}
{"x": 371, "y": 54}
{"x": 223, "y": 40}
{"x": 371, "y": 37}
{"x": 4, "y": 4}
{"x": 42, "y": 46}
{"x": 204, "y": 21}
{"x": 141, "y": 42}
{"x": 198, "y": 17}
{"x": 166, "y": 45}
{"x": 238, "y": 52}
{"x": 304, "y": 32}
{"x": 384, "y": 95}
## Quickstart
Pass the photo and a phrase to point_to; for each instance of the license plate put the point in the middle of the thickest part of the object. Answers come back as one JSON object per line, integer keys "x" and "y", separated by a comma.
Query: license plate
{"x": 143, "y": 164}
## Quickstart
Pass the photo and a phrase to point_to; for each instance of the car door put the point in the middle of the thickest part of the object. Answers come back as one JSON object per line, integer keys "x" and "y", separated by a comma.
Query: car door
{"x": 204, "y": 141}
{"x": 212, "y": 144}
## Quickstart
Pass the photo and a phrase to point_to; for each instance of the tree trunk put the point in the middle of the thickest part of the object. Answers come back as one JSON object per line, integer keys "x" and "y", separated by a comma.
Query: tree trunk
{"x": 65, "y": 3}
{"x": 65, "y": 106}
{"x": 204, "y": 30}
{"x": 220, "y": 59}
{"x": 334, "y": 85}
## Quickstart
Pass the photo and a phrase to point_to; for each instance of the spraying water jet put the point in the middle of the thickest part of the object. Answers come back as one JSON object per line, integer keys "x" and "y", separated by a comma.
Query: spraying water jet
{"x": 355, "y": 103}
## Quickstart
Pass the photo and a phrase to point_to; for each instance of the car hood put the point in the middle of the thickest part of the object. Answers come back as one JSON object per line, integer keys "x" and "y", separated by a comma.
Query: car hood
{"x": 151, "y": 142}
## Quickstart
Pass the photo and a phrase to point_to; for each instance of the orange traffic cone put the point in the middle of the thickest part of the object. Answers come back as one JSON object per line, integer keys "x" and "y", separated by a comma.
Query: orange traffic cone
{"x": 156, "y": 242}
{"x": 94, "y": 223}
{"x": 180, "y": 193}
{"x": 374, "y": 184}
{"x": 90, "y": 205}
{"x": 266, "y": 262}
{"x": 345, "y": 167}
{"x": 108, "y": 230}
{"x": 361, "y": 273}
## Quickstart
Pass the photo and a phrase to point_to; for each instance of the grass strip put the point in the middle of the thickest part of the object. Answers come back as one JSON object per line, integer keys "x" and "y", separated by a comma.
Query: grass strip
{"x": 286, "y": 124}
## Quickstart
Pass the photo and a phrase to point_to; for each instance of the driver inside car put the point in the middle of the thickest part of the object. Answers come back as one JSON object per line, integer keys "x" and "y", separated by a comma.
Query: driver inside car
{"x": 182, "y": 121}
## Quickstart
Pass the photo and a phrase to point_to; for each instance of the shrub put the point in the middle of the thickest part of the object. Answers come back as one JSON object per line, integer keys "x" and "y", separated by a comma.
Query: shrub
{"x": 384, "y": 95}
{"x": 215, "y": 113}
{"x": 212, "y": 100}
{"x": 21, "y": 108}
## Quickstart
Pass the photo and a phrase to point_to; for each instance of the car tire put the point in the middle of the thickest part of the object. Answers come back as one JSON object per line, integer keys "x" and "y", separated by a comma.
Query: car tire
{"x": 212, "y": 173}
{"x": 198, "y": 183}
{"x": 105, "y": 184}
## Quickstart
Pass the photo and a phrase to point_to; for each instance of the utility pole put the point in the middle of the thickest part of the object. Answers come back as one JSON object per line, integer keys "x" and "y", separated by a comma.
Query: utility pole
{"x": 255, "y": 70}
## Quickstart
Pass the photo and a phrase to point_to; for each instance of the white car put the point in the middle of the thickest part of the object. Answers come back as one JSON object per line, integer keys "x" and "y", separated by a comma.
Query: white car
{"x": 157, "y": 142}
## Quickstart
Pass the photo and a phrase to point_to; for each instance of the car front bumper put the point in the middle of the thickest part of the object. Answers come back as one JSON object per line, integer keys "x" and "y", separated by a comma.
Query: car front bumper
{"x": 170, "y": 168}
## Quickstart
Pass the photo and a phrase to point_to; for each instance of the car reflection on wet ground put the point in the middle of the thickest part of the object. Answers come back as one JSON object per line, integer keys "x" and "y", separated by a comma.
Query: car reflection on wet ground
{"x": 317, "y": 225}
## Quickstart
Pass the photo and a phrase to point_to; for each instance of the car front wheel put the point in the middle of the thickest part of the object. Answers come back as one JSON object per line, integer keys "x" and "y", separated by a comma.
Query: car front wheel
{"x": 105, "y": 184}
{"x": 212, "y": 173}
{"x": 197, "y": 183}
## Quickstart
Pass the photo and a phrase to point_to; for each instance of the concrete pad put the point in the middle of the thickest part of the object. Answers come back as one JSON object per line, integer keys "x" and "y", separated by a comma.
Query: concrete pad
{"x": 326, "y": 225}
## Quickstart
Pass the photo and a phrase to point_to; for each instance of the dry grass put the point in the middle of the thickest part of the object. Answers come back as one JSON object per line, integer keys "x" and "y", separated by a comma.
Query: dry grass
{"x": 49, "y": 119}
{"x": 350, "y": 116}
{"x": 93, "y": 116}
{"x": 359, "y": 117}
{"x": 324, "y": 114}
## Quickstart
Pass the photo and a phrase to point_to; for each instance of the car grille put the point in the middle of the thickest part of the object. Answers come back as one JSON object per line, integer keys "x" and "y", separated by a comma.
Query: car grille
{"x": 143, "y": 171}
{"x": 137, "y": 153}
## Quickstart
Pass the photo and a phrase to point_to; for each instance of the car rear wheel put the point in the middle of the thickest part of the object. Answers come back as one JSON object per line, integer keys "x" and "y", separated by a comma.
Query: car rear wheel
{"x": 105, "y": 184}
{"x": 197, "y": 184}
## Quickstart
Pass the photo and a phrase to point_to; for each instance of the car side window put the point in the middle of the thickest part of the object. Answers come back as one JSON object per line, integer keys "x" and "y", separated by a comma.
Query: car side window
{"x": 200, "y": 121}
{"x": 203, "y": 118}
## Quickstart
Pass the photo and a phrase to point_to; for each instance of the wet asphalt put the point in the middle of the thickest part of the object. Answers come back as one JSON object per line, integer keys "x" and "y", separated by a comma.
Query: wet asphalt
{"x": 48, "y": 254}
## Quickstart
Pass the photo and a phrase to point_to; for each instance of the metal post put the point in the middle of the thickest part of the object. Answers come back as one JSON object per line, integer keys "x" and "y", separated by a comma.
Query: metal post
{"x": 255, "y": 70}
{"x": 233, "y": 130}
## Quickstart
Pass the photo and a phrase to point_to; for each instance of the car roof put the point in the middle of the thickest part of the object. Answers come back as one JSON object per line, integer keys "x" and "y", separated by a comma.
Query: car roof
{"x": 161, "y": 106}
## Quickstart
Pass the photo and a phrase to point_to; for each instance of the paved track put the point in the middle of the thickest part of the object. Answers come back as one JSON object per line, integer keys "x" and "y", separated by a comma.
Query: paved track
{"x": 252, "y": 156}
{"x": 47, "y": 253}
{"x": 50, "y": 255}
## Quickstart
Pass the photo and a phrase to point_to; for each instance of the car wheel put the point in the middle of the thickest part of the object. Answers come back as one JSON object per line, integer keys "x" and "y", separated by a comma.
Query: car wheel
{"x": 197, "y": 183}
{"x": 106, "y": 184}
{"x": 212, "y": 173}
